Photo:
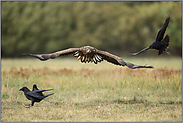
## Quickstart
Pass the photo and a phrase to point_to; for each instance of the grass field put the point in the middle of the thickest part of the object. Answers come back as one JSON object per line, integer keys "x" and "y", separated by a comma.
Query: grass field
{"x": 89, "y": 92}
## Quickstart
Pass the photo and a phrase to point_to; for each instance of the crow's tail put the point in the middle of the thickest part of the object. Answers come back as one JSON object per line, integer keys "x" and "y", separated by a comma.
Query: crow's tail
{"x": 48, "y": 95}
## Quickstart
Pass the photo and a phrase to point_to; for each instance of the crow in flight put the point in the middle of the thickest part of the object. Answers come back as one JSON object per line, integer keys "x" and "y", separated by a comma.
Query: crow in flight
{"x": 160, "y": 43}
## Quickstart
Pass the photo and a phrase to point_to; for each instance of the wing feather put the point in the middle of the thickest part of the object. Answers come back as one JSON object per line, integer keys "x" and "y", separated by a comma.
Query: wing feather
{"x": 133, "y": 54}
{"x": 117, "y": 60}
{"x": 36, "y": 93}
{"x": 110, "y": 57}
{"x": 44, "y": 57}
{"x": 161, "y": 32}
{"x": 67, "y": 51}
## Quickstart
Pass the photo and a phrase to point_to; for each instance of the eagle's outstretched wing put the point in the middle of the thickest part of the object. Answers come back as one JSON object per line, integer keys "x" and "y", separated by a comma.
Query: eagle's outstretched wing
{"x": 161, "y": 32}
{"x": 44, "y": 57}
{"x": 117, "y": 60}
{"x": 92, "y": 55}
{"x": 133, "y": 54}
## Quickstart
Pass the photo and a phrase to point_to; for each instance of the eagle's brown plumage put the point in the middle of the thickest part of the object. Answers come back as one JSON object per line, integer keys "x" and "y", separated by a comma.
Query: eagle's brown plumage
{"x": 89, "y": 54}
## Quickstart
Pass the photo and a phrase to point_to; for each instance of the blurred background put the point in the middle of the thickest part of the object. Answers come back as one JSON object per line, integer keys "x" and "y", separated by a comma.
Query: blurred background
{"x": 117, "y": 27}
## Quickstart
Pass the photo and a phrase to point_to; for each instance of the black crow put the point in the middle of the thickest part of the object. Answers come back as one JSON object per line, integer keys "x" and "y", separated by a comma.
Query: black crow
{"x": 160, "y": 43}
{"x": 34, "y": 96}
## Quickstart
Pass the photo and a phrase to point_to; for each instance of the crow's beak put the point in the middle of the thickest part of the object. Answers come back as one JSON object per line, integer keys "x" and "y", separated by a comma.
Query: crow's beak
{"x": 21, "y": 89}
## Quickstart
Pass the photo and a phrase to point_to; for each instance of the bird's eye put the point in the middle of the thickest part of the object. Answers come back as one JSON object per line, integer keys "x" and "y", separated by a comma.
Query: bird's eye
{"x": 88, "y": 50}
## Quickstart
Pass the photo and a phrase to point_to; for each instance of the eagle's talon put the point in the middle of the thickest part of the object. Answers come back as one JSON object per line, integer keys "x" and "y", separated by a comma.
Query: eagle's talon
{"x": 78, "y": 57}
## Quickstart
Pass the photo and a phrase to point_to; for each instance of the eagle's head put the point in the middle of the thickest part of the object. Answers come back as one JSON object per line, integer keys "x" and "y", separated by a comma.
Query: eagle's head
{"x": 88, "y": 51}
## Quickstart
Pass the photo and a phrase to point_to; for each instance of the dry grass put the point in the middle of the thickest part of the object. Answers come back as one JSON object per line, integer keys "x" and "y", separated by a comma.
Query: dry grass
{"x": 88, "y": 92}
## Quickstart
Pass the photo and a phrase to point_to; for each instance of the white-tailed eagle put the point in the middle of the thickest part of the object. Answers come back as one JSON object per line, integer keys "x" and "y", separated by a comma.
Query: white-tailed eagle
{"x": 88, "y": 54}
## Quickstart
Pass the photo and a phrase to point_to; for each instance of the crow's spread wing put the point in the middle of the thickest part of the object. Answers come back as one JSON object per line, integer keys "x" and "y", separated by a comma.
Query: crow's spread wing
{"x": 33, "y": 94}
{"x": 133, "y": 54}
{"x": 161, "y": 32}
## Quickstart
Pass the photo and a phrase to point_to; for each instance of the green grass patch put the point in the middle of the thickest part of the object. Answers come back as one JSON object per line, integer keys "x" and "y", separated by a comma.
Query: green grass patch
{"x": 89, "y": 92}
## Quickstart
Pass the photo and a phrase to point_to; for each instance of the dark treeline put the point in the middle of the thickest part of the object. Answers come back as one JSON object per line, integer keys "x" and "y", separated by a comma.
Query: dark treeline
{"x": 119, "y": 27}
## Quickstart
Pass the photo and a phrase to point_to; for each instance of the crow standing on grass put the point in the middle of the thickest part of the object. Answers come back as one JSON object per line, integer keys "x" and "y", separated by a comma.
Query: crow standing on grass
{"x": 35, "y": 95}
{"x": 160, "y": 43}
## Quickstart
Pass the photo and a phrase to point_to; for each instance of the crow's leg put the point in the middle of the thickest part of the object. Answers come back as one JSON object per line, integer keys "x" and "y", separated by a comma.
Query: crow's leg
{"x": 167, "y": 52}
{"x": 28, "y": 106}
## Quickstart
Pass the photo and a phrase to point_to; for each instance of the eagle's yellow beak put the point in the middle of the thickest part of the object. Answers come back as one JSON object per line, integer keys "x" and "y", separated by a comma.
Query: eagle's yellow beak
{"x": 78, "y": 57}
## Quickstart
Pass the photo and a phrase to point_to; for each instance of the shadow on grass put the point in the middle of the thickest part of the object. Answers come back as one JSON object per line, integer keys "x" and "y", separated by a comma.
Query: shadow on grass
{"x": 116, "y": 101}
{"x": 135, "y": 101}
{"x": 131, "y": 101}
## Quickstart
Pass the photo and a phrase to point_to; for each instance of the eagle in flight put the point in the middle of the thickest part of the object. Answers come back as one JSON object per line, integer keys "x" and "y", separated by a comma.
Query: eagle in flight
{"x": 160, "y": 43}
{"x": 88, "y": 54}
